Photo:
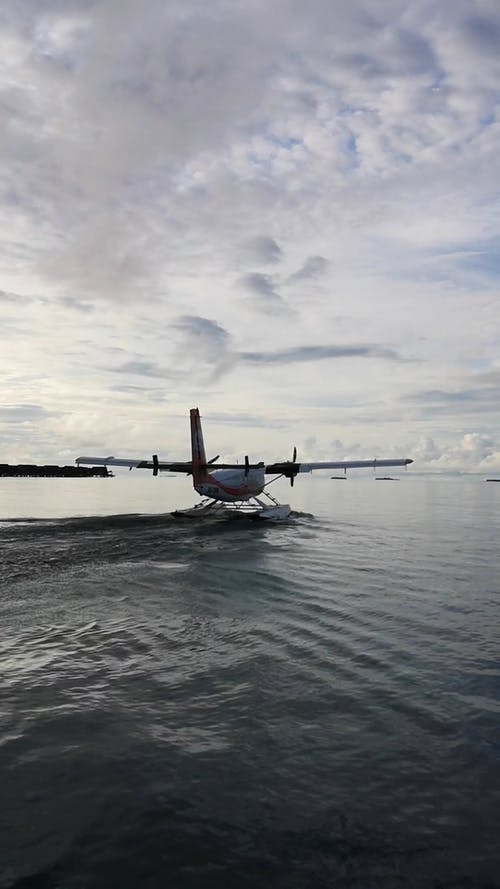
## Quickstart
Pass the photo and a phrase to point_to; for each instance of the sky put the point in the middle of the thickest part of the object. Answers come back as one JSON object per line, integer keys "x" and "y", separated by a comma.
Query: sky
{"x": 286, "y": 214}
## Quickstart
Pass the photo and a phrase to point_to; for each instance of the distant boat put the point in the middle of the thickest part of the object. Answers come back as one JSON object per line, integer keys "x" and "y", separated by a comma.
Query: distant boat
{"x": 385, "y": 478}
{"x": 493, "y": 479}
{"x": 338, "y": 477}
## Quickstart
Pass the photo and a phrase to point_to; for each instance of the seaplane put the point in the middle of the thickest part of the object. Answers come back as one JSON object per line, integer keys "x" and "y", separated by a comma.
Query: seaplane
{"x": 234, "y": 487}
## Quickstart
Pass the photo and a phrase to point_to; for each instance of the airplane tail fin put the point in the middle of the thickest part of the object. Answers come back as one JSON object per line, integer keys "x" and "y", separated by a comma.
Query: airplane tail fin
{"x": 198, "y": 456}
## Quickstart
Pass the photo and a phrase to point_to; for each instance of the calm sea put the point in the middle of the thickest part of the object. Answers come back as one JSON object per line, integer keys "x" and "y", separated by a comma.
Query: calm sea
{"x": 223, "y": 703}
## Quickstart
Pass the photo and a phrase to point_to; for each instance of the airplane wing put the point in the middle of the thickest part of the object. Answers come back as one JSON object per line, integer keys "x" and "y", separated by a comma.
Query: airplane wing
{"x": 154, "y": 464}
{"x": 287, "y": 468}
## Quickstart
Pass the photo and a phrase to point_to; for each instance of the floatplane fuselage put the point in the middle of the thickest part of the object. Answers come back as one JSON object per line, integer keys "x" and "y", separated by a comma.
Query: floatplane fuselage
{"x": 238, "y": 487}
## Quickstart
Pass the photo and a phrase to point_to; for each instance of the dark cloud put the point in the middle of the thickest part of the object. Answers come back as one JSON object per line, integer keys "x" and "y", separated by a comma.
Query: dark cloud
{"x": 314, "y": 267}
{"x": 411, "y": 53}
{"x": 461, "y": 402}
{"x": 364, "y": 64}
{"x": 394, "y": 52}
{"x": 73, "y": 302}
{"x": 301, "y": 354}
{"x": 22, "y": 413}
{"x": 140, "y": 368}
{"x": 207, "y": 331}
{"x": 203, "y": 347}
{"x": 260, "y": 284}
{"x": 483, "y": 33}
{"x": 199, "y": 346}
{"x": 440, "y": 396}
{"x": 145, "y": 393}
{"x": 491, "y": 378}
{"x": 133, "y": 389}
{"x": 14, "y": 298}
{"x": 265, "y": 297}
{"x": 206, "y": 346}
{"x": 265, "y": 249}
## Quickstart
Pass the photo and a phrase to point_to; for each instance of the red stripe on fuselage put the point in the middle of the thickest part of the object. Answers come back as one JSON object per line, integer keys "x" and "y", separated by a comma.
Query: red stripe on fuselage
{"x": 214, "y": 485}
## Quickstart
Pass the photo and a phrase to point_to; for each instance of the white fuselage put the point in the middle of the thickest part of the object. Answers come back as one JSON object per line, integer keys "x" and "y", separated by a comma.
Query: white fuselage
{"x": 232, "y": 485}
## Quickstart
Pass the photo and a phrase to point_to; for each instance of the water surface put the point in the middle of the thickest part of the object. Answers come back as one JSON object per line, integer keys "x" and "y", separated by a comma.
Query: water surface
{"x": 226, "y": 703}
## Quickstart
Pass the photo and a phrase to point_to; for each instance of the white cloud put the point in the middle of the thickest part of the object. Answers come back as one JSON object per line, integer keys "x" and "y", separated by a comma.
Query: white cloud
{"x": 473, "y": 452}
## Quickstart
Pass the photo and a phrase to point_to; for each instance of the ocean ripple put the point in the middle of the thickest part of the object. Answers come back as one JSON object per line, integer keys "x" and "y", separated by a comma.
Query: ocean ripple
{"x": 230, "y": 704}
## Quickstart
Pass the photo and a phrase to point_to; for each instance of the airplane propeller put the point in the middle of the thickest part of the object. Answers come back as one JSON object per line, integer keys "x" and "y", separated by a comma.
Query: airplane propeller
{"x": 155, "y": 464}
{"x": 292, "y": 475}
{"x": 247, "y": 466}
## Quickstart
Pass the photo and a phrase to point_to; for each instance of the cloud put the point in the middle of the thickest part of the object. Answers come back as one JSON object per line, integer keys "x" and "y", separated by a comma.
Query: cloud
{"x": 22, "y": 413}
{"x": 260, "y": 284}
{"x": 460, "y": 403}
{"x": 205, "y": 342}
{"x": 208, "y": 336}
{"x": 140, "y": 368}
{"x": 245, "y": 420}
{"x": 197, "y": 165}
{"x": 145, "y": 393}
{"x": 72, "y": 302}
{"x": 265, "y": 249}
{"x": 262, "y": 287}
{"x": 14, "y": 298}
{"x": 473, "y": 452}
{"x": 202, "y": 345}
{"x": 483, "y": 33}
{"x": 313, "y": 267}
{"x": 300, "y": 354}
{"x": 205, "y": 346}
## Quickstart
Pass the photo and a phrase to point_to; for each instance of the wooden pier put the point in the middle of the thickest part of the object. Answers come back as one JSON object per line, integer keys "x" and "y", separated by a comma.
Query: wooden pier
{"x": 28, "y": 470}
